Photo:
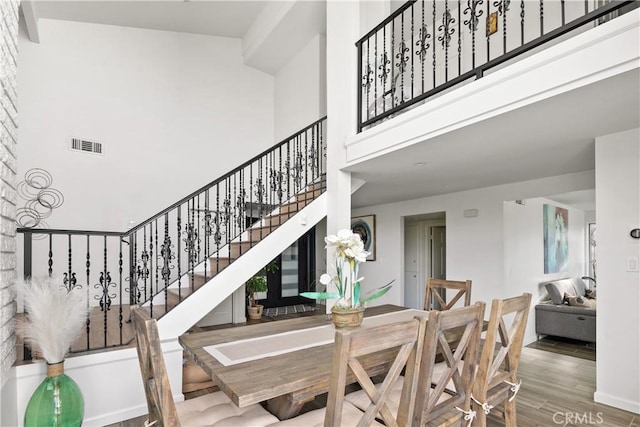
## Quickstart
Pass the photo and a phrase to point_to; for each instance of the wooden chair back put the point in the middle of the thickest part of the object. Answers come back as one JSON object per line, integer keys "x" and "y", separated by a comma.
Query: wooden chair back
{"x": 404, "y": 339}
{"x": 460, "y": 358}
{"x": 162, "y": 408}
{"x": 502, "y": 345}
{"x": 433, "y": 295}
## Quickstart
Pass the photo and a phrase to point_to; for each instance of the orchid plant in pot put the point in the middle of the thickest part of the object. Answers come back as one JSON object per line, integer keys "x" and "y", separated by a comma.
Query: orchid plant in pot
{"x": 349, "y": 254}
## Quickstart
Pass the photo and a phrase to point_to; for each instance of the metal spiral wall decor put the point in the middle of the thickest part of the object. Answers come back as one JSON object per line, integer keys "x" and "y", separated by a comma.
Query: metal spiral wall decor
{"x": 41, "y": 198}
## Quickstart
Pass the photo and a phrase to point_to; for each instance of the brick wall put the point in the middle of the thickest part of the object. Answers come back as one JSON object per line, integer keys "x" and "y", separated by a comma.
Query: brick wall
{"x": 8, "y": 195}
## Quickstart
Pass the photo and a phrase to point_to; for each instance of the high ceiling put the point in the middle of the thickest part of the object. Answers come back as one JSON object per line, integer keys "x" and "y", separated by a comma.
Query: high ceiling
{"x": 217, "y": 18}
{"x": 552, "y": 137}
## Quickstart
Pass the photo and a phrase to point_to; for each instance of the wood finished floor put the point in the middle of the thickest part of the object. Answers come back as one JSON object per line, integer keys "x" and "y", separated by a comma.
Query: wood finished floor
{"x": 569, "y": 347}
{"x": 557, "y": 390}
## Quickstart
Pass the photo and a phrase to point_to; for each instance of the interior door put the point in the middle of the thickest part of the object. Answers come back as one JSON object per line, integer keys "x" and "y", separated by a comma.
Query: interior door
{"x": 296, "y": 266}
{"x": 412, "y": 289}
{"x": 438, "y": 250}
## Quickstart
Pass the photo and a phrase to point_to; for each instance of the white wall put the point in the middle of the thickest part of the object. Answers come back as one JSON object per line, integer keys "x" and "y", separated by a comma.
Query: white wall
{"x": 110, "y": 382}
{"x": 301, "y": 90}
{"x": 618, "y": 212}
{"x": 172, "y": 109}
{"x": 524, "y": 252}
{"x": 475, "y": 246}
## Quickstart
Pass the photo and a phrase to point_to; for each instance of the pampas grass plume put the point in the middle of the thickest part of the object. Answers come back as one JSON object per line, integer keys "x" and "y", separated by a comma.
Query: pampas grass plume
{"x": 54, "y": 317}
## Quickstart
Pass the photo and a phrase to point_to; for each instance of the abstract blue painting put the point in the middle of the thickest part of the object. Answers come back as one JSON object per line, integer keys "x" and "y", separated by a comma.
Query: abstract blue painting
{"x": 556, "y": 239}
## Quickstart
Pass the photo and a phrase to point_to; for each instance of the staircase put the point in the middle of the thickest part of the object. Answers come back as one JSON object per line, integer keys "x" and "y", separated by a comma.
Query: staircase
{"x": 207, "y": 244}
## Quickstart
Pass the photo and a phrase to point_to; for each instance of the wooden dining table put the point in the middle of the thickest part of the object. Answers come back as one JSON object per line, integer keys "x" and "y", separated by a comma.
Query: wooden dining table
{"x": 289, "y": 380}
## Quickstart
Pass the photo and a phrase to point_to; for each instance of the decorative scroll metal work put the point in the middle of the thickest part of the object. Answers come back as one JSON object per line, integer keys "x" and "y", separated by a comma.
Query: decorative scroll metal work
{"x": 423, "y": 43}
{"x": 446, "y": 28}
{"x": 192, "y": 243}
{"x": 166, "y": 255}
{"x": 70, "y": 282}
{"x": 104, "y": 285}
{"x": 474, "y": 12}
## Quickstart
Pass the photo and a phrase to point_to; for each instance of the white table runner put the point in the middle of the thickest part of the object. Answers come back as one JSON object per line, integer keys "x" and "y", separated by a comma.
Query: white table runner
{"x": 240, "y": 351}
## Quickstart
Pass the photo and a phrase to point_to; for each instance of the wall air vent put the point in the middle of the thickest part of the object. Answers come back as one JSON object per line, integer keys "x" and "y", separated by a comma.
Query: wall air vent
{"x": 93, "y": 147}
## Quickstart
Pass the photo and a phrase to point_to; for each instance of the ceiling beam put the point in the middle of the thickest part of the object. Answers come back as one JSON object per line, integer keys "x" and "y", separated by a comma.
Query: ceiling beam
{"x": 30, "y": 20}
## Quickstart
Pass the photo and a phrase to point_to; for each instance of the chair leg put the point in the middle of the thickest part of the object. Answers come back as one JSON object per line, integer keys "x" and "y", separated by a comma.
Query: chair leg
{"x": 481, "y": 417}
{"x": 510, "y": 413}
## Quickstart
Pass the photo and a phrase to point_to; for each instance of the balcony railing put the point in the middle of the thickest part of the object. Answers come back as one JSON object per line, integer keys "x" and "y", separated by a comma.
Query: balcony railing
{"x": 181, "y": 247}
{"x": 427, "y": 47}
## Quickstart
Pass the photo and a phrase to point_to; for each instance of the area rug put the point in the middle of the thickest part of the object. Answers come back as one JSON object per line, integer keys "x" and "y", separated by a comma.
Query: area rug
{"x": 291, "y": 309}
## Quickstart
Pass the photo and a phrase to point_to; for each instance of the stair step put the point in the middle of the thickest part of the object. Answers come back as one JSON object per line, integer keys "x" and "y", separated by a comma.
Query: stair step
{"x": 217, "y": 264}
{"x": 238, "y": 248}
{"x": 174, "y": 296}
{"x": 278, "y": 219}
{"x": 259, "y": 233}
{"x": 294, "y": 207}
{"x": 309, "y": 195}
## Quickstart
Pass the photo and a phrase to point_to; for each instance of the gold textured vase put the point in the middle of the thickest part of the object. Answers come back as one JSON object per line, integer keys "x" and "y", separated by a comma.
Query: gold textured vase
{"x": 346, "y": 317}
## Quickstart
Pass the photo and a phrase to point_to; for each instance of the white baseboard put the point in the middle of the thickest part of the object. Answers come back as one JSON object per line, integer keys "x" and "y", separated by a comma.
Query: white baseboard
{"x": 617, "y": 402}
{"x": 116, "y": 416}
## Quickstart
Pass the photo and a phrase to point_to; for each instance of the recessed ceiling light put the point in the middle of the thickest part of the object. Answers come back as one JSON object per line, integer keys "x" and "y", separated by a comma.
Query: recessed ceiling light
{"x": 418, "y": 164}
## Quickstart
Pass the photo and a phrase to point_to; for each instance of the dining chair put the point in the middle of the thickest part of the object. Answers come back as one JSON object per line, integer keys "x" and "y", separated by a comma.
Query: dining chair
{"x": 400, "y": 342}
{"x": 497, "y": 377}
{"x": 435, "y": 300}
{"x": 437, "y": 404}
{"x": 213, "y": 409}
{"x": 437, "y": 407}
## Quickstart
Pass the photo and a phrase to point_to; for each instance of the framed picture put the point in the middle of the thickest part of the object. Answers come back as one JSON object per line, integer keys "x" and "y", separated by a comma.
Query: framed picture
{"x": 365, "y": 226}
{"x": 556, "y": 239}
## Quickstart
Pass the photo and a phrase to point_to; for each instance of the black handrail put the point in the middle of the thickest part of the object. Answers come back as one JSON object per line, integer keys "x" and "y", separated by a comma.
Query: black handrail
{"x": 425, "y": 41}
{"x": 231, "y": 172}
{"x": 73, "y": 232}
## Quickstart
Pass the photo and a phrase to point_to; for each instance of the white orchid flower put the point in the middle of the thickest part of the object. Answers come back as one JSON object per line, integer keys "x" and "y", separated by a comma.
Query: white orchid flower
{"x": 325, "y": 279}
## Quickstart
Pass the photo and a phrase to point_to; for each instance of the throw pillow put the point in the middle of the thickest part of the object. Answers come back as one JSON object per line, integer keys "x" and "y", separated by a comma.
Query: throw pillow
{"x": 575, "y": 301}
{"x": 591, "y": 294}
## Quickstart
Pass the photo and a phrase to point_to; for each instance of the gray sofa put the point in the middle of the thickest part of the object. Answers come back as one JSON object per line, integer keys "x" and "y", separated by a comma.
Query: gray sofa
{"x": 554, "y": 317}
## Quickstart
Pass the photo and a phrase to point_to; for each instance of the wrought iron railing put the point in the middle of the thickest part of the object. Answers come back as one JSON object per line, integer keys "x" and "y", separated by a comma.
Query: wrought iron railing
{"x": 426, "y": 47}
{"x": 164, "y": 259}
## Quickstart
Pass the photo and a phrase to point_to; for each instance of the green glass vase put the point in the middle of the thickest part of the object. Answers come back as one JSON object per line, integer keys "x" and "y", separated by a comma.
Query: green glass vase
{"x": 57, "y": 402}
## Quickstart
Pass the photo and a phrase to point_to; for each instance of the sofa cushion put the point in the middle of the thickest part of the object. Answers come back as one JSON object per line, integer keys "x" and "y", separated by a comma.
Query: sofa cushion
{"x": 557, "y": 288}
{"x": 577, "y": 301}
{"x": 580, "y": 286}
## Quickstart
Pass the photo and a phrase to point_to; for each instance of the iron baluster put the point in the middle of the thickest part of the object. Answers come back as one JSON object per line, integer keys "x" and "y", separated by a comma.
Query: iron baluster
{"x": 445, "y": 38}
{"x": 150, "y": 269}
{"x": 541, "y": 18}
{"x": 207, "y": 230}
{"x": 167, "y": 256}
{"x": 88, "y": 265}
{"x": 459, "y": 39}
{"x": 375, "y": 81}
{"x": 179, "y": 253}
{"x": 563, "y": 11}
{"x": 412, "y": 41}
{"x": 433, "y": 28}
{"x": 503, "y": 8}
{"x": 488, "y": 34}
{"x": 69, "y": 279}
{"x": 521, "y": 22}
{"x": 120, "y": 292}
{"x": 473, "y": 23}
{"x": 50, "y": 255}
